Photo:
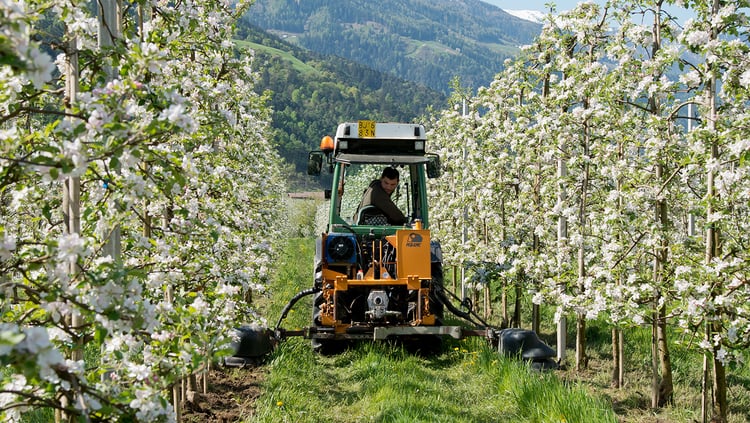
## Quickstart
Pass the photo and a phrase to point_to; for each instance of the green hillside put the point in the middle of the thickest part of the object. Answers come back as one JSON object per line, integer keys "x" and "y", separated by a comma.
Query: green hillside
{"x": 285, "y": 56}
{"x": 311, "y": 93}
{"x": 426, "y": 41}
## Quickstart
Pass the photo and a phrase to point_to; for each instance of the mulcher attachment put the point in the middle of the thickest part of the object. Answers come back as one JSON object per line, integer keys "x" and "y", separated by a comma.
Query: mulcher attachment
{"x": 253, "y": 341}
{"x": 526, "y": 345}
{"x": 252, "y": 344}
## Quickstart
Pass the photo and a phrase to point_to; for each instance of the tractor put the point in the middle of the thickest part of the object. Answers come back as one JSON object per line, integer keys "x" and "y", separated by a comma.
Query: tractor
{"x": 372, "y": 280}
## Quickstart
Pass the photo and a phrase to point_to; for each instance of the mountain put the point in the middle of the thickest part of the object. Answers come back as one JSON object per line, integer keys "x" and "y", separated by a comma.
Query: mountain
{"x": 529, "y": 15}
{"x": 311, "y": 93}
{"x": 426, "y": 41}
{"x": 534, "y": 10}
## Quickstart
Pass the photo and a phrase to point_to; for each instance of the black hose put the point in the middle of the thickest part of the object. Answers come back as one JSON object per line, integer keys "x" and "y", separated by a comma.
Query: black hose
{"x": 453, "y": 309}
{"x": 467, "y": 315}
{"x": 293, "y": 301}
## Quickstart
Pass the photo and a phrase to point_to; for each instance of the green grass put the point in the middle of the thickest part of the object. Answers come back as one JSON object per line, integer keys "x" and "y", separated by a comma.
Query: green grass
{"x": 297, "y": 64}
{"x": 633, "y": 402}
{"x": 43, "y": 415}
{"x": 380, "y": 382}
{"x": 468, "y": 382}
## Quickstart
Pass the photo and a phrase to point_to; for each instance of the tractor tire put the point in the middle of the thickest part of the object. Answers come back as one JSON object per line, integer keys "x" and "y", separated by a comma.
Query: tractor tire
{"x": 436, "y": 288}
{"x": 426, "y": 346}
{"x": 324, "y": 346}
{"x": 328, "y": 347}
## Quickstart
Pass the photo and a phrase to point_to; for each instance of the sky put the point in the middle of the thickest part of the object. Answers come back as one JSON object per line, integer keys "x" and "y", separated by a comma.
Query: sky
{"x": 562, "y": 5}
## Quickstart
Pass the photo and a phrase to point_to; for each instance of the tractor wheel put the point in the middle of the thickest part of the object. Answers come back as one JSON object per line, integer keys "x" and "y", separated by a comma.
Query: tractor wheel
{"x": 427, "y": 346}
{"x": 436, "y": 305}
{"x": 324, "y": 346}
{"x": 328, "y": 346}
{"x": 317, "y": 301}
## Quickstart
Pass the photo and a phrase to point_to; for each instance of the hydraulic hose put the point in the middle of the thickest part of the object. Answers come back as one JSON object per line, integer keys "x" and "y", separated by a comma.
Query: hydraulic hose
{"x": 293, "y": 301}
{"x": 467, "y": 315}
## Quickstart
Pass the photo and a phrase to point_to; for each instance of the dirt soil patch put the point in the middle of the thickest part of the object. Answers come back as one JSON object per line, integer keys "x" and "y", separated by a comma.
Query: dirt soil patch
{"x": 230, "y": 398}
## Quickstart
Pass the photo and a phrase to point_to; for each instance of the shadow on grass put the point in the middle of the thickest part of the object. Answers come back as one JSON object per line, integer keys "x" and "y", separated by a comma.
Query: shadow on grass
{"x": 634, "y": 401}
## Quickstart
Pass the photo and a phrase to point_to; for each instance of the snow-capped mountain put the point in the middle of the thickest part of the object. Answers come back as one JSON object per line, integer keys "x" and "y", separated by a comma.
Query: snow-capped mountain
{"x": 529, "y": 15}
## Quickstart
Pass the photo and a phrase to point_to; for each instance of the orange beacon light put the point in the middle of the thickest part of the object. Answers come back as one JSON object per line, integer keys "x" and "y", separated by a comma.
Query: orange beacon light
{"x": 326, "y": 144}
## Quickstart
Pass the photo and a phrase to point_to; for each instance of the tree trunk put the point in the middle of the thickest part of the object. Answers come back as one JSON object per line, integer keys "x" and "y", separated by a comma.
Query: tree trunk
{"x": 618, "y": 339}
{"x": 562, "y": 234}
{"x": 487, "y": 302}
{"x": 487, "y": 287}
{"x": 654, "y": 363}
{"x": 71, "y": 204}
{"x": 617, "y": 356}
{"x": 455, "y": 276}
{"x": 535, "y": 311}
{"x": 581, "y": 359}
{"x": 504, "y": 305}
{"x": 475, "y": 299}
{"x": 720, "y": 407}
{"x": 562, "y": 240}
{"x": 663, "y": 386}
{"x": 705, "y": 400}
{"x": 666, "y": 386}
{"x": 535, "y": 317}
{"x": 621, "y": 365}
{"x": 516, "y": 323}
{"x": 504, "y": 287}
{"x": 664, "y": 389}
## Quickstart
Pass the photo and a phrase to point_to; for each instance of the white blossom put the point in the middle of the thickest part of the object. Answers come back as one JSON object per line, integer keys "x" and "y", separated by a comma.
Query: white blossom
{"x": 41, "y": 67}
{"x": 177, "y": 115}
{"x": 7, "y": 246}
{"x": 139, "y": 372}
{"x": 70, "y": 247}
{"x": 691, "y": 79}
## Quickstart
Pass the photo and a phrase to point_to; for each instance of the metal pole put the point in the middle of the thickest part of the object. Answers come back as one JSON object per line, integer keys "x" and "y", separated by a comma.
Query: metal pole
{"x": 562, "y": 237}
{"x": 110, "y": 24}
{"x": 691, "y": 216}
{"x": 465, "y": 231}
{"x": 71, "y": 209}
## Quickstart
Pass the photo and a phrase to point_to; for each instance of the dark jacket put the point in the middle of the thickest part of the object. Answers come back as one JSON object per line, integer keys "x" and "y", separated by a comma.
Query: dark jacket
{"x": 376, "y": 196}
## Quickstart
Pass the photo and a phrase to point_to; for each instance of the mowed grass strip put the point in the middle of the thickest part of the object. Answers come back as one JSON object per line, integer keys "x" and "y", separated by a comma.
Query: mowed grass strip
{"x": 468, "y": 382}
{"x": 382, "y": 382}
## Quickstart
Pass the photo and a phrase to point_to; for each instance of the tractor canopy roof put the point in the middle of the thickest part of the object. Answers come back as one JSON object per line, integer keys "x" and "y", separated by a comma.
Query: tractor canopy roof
{"x": 380, "y": 139}
{"x": 381, "y": 159}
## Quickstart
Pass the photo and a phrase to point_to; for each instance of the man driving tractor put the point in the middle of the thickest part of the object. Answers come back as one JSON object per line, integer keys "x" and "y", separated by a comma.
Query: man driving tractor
{"x": 378, "y": 194}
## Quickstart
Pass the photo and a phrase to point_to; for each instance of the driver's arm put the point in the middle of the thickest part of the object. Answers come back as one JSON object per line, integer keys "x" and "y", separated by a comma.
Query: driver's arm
{"x": 383, "y": 201}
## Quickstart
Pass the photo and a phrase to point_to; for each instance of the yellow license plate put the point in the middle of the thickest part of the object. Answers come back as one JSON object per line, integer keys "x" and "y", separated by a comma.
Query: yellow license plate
{"x": 366, "y": 129}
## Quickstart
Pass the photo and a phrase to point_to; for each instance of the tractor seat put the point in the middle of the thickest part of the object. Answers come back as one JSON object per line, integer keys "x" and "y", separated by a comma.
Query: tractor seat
{"x": 371, "y": 215}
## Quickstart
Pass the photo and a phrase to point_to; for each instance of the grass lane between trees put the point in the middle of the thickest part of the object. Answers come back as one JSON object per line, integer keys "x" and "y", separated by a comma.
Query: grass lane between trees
{"x": 467, "y": 382}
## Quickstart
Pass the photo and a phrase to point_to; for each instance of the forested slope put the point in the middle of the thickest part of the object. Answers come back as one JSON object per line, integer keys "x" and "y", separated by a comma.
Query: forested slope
{"x": 426, "y": 41}
{"x": 311, "y": 93}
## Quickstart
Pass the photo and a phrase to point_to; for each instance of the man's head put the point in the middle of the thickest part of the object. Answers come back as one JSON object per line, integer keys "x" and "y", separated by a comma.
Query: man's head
{"x": 389, "y": 179}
